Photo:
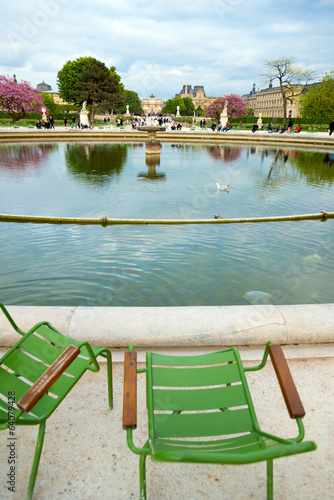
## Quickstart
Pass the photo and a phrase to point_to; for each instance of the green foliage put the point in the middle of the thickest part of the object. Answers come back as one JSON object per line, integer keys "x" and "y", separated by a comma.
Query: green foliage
{"x": 132, "y": 99}
{"x": 97, "y": 86}
{"x": 184, "y": 119}
{"x": 318, "y": 102}
{"x": 186, "y": 106}
{"x": 199, "y": 111}
{"x": 49, "y": 102}
{"x": 69, "y": 76}
{"x": 189, "y": 106}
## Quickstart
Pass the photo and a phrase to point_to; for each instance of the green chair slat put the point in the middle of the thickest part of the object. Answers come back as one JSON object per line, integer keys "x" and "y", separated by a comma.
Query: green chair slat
{"x": 15, "y": 384}
{"x": 202, "y": 424}
{"x": 199, "y": 399}
{"x": 238, "y": 456}
{"x": 195, "y": 377}
{"x": 27, "y": 367}
{"x": 78, "y": 366}
{"x": 246, "y": 440}
{"x": 20, "y": 387}
{"x": 201, "y": 359}
{"x": 41, "y": 349}
{"x": 64, "y": 384}
{"x": 54, "y": 336}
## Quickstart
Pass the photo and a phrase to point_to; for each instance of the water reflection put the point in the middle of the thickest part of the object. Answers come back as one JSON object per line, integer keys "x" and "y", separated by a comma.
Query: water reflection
{"x": 294, "y": 165}
{"x": 315, "y": 167}
{"x": 152, "y": 161}
{"x": 95, "y": 163}
{"x": 224, "y": 153}
{"x": 23, "y": 157}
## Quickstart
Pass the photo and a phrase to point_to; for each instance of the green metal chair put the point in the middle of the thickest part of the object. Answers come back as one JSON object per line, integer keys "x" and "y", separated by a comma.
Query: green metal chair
{"x": 37, "y": 373}
{"x": 200, "y": 410}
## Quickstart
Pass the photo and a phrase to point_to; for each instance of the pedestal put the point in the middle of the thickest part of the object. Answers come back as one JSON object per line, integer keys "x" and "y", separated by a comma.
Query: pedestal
{"x": 84, "y": 118}
{"x": 223, "y": 119}
{"x": 152, "y": 145}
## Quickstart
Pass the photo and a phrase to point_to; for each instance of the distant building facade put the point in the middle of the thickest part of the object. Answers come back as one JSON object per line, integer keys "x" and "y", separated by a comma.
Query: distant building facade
{"x": 45, "y": 87}
{"x": 152, "y": 105}
{"x": 197, "y": 94}
{"x": 269, "y": 103}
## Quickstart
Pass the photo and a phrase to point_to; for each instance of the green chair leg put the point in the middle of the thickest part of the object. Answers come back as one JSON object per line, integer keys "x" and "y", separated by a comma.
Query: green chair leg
{"x": 142, "y": 477}
{"x": 270, "y": 479}
{"x": 37, "y": 456}
{"x": 107, "y": 354}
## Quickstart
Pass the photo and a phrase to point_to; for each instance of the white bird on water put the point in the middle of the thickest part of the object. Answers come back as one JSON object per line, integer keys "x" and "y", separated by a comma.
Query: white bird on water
{"x": 222, "y": 188}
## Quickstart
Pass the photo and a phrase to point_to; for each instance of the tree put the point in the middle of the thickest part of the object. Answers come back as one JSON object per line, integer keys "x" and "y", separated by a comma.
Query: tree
{"x": 87, "y": 79}
{"x": 199, "y": 111}
{"x": 290, "y": 77}
{"x": 235, "y": 107}
{"x": 132, "y": 99}
{"x": 318, "y": 102}
{"x": 19, "y": 99}
{"x": 49, "y": 103}
{"x": 98, "y": 86}
{"x": 189, "y": 106}
{"x": 69, "y": 76}
{"x": 186, "y": 104}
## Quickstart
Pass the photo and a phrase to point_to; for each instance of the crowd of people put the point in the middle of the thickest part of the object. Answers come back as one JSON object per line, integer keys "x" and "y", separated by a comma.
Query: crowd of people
{"x": 168, "y": 121}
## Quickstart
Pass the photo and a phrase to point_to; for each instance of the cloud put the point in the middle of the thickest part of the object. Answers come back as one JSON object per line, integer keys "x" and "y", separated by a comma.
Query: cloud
{"x": 159, "y": 46}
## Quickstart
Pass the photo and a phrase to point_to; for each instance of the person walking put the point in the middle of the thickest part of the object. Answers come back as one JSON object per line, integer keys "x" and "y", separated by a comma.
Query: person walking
{"x": 331, "y": 127}
{"x": 290, "y": 126}
{"x": 65, "y": 121}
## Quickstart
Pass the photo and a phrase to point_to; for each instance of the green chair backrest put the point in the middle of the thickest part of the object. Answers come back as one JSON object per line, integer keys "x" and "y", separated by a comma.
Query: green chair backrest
{"x": 197, "y": 396}
{"x": 26, "y": 362}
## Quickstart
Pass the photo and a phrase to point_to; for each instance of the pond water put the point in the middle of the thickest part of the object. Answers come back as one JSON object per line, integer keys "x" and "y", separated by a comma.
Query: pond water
{"x": 165, "y": 265}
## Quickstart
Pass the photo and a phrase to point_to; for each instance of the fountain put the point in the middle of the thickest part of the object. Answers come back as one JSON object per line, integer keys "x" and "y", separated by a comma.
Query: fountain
{"x": 152, "y": 145}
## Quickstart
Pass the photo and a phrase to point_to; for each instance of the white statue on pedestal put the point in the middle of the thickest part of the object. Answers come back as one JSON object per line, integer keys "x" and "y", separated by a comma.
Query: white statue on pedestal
{"x": 177, "y": 110}
{"x": 223, "y": 115}
{"x": 127, "y": 110}
{"x": 259, "y": 121}
{"x": 84, "y": 115}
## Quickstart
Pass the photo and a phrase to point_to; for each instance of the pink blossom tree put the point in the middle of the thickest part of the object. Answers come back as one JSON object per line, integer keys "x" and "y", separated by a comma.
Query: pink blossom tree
{"x": 19, "y": 99}
{"x": 235, "y": 107}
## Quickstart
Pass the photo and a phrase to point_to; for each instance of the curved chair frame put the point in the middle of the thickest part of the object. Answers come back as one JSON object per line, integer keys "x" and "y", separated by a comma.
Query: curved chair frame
{"x": 200, "y": 410}
{"x": 37, "y": 373}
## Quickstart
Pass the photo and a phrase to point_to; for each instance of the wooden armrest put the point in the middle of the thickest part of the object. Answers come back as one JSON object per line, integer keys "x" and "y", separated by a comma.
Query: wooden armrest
{"x": 284, "y": 377}
{"x": 49, "y": 377}
{"x": 130, "y": 391}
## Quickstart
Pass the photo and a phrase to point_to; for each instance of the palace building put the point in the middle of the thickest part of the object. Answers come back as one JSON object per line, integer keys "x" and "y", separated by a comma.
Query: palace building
{"x": 152, "y": 105}
{"x": 197, "y": 94}
{"x": 269, "y": 103}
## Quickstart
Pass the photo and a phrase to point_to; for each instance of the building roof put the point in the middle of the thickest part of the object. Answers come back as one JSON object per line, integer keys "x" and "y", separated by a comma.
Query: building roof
{"x": 44, "y": 86}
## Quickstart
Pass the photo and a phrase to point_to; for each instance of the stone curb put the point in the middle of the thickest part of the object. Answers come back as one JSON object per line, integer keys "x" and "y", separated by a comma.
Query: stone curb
{"x": 180, "y": 327}
{"x": 321, "y": 139}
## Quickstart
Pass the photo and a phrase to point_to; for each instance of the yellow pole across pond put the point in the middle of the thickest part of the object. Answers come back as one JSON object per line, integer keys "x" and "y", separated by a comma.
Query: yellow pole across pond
{"x": 104, "y": 221}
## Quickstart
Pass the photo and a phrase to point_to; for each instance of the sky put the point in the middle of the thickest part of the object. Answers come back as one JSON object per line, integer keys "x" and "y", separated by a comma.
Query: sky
{"x": 158, "y": 46}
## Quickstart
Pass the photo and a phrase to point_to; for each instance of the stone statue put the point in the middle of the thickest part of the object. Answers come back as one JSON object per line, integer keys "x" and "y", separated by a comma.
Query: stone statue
{"x": 177, "y": 110}
{"x": 223, "y": 115}
{"x": 84, "y": 122}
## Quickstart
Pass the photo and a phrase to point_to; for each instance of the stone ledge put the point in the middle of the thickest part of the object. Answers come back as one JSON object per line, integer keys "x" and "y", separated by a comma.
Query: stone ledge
{"x": 180, "y": 327}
